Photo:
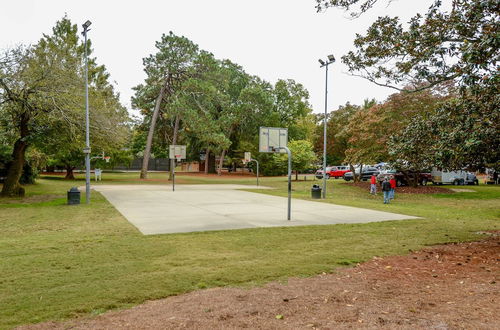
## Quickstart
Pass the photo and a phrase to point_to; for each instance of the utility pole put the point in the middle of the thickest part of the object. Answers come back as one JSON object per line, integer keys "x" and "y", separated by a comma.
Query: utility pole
{"x": 331, "y": 59}
{"x": 87, "y": 134}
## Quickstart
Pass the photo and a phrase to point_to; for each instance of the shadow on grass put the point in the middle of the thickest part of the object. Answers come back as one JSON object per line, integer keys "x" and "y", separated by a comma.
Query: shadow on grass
{"x": 53, "y": 201}
{"x": 58, "y": 178}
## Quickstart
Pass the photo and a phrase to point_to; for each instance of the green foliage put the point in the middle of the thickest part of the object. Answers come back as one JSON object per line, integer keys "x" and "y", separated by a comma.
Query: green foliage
{"x": 360, "y": 5}
{"x": 167, "y": 70}
{"x": 218, "y": 105}
{"x": 108, "y": 118}
{"x": 460, "y": 46}
{"x": 461, "y": 133}
{"x": 337, "y": 134}
{"x": 370, "y": 129}
{"x": 303, "y": 157}
{"x": 42, "y": 105}
{"x": 35, "y": 162}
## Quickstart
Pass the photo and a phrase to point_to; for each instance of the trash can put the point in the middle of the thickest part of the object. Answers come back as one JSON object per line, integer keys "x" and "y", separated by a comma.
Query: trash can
{"x": 73, "y": 196}
{"x": 316, "y": 192}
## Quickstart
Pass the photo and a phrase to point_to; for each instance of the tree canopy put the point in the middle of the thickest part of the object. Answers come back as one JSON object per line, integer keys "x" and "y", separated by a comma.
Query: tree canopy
{"x": 213, "y": 105}
{"x": 41, "y": 100}
{"x": 459, "y": 46}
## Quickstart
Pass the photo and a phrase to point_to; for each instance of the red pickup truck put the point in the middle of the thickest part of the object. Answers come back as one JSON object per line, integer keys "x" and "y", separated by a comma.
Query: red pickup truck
{"x": 333, "y": 172}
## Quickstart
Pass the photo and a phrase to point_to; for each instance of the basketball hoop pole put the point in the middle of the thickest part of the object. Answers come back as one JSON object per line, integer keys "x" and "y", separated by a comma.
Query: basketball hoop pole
{"x": 257, "y": 162}
{"x": 173, "y": 174}
{"x": 289, "y": 181}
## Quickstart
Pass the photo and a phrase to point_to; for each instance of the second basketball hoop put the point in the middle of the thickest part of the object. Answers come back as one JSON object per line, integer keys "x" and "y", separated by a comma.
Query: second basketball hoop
{"x": 177, "y": 152}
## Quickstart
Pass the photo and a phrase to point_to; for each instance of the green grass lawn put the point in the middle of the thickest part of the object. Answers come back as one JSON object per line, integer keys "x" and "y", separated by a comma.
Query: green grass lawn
{"x": 59, "y": 261}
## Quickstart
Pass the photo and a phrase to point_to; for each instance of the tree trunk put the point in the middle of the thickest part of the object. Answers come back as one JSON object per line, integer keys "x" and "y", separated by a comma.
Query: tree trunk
{"x": 351, "y": 167}
{"x": 412, "y": 179}
{"x": 174, "y": 142}
{"x": 221, "y": 162}
{"x": 296, "y": 175}
{"x": 149, "y": 141}
{"x": 360, "y": 172}
{"x": 69, "y": 173}
{"x": 11, "y": 186}
{"x": 207, "y": 155}
{"x": 357, "y": 178}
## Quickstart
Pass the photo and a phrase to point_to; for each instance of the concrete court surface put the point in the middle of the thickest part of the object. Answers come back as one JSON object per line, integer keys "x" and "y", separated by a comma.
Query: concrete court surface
{"x": 156, "y": 209}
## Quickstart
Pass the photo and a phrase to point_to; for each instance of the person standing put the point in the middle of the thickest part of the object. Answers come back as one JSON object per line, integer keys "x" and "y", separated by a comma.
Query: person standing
{"x": 373, "y": 185}
{"x": 386, "y": 189}
{"x": 393, "y": 186}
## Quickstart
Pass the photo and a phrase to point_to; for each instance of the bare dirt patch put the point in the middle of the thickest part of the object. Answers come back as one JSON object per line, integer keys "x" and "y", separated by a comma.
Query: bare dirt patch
{"x": 406, "y": 189}
{"x": 461, "y": 190}
{"x": 453, "y": 286}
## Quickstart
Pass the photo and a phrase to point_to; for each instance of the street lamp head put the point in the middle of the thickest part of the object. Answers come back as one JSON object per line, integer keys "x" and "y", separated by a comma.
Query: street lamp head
{"x": 331, "y": 58}
{"x": 321, "y": 62}
{"x": 86, "y": 25}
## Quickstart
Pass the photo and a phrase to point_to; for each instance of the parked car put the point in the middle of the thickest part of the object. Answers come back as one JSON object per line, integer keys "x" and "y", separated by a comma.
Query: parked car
{"x": 492, "y": 176}
{"x": 319, "y": 173}
{"x": 448, "y": 177}
{"x": 471, "y": 179}
{"x": 365, "y": 175}
{"x": 401, "y": 179}
{"x": 333, "y": 172}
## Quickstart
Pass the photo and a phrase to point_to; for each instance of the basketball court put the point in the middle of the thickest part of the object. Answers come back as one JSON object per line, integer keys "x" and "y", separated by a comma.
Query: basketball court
{"x": 156, "y": 209}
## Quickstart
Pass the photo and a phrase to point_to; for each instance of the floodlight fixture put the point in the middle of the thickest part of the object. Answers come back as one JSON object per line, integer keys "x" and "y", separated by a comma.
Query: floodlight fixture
{"x": 86, "y": 25}
{"x": 331, "y": 58}
{"x": 321, "y": 62}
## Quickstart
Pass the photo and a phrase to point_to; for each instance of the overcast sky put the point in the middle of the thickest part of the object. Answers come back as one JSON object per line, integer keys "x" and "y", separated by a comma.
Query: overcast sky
{"x": 274, "y": 39}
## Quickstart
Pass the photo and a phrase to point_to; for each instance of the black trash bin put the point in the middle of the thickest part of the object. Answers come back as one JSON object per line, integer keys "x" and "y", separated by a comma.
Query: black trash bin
{"x": 316, "y": 192}
{"x": 73, "y": 196}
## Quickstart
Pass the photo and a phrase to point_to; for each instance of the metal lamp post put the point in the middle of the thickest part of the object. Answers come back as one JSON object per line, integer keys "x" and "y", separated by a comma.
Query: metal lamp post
{"x": 87, "y": 135}
{"x": 330, "y": 60}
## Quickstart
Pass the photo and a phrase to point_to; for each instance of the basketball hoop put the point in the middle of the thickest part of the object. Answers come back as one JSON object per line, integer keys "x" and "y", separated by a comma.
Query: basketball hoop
{"x": 178, "y": 158}
{"x": 107, "y": 158}
{"x": 273, "y": 139}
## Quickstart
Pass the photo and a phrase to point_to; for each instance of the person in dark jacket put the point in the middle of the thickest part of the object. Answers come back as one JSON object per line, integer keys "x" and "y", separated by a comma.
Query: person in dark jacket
{"x": 386, "y": 189}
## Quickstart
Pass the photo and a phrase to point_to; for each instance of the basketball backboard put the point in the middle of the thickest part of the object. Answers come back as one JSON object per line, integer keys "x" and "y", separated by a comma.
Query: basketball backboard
{"x": 272, "y": 138}
{"x": 177, "y": 152}
{"x": 248, "y": 157}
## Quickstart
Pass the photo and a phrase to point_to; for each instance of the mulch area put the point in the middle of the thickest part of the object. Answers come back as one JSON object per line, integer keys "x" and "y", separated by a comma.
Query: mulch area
{"x": 452, "y": 286}
{"x": 405, "y": 189}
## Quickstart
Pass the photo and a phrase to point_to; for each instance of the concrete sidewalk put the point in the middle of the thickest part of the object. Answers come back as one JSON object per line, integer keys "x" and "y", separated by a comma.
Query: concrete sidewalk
{"x": 156, "y": 209}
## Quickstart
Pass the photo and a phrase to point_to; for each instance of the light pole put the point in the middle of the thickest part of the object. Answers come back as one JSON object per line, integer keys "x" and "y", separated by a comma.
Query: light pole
{"x": 87, "y": 135}
{"x": 330, "y": 60}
